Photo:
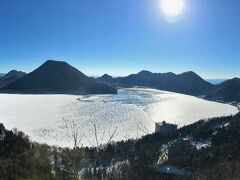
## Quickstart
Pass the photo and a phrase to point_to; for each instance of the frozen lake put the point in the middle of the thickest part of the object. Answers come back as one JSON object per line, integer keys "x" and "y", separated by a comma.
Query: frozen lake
{"x": 130, "y": 114}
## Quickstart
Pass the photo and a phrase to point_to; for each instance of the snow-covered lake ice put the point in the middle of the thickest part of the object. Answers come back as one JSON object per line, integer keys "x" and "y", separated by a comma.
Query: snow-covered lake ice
{"x": 130, "y": 114}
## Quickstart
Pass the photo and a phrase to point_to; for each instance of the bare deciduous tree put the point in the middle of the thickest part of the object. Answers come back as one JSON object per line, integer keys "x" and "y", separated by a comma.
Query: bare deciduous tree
{"x": 73, "y": 132}
{"x": 111, "y": 134}
{"x": 142, "y": 128}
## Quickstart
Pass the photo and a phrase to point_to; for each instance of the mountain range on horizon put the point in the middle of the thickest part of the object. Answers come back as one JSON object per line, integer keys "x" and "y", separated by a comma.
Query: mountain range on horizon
{"x": 60, "y": 77}
{"x": 57, "y": 77}
{"x": 186, "y": 83}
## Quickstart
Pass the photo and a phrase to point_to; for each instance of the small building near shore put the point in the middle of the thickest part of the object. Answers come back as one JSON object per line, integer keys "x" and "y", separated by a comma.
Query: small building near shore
{"x": 164, "y": 128}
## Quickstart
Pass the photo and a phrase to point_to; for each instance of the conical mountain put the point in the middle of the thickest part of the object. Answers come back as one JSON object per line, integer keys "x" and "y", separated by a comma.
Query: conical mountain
{"x": 58, "y": 77}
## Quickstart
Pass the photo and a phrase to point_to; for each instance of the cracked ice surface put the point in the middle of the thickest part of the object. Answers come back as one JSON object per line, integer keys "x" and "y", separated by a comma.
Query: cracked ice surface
{"x": 46, "y": 118}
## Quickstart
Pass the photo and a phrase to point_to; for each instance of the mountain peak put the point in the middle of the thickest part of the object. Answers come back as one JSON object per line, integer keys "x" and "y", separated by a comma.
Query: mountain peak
{"x": 144, "y": 72}
{"x": 14, "y": 73}
{"x": 189, "y": 73}
{"x": 106, "y": 76}
{"x": 54, "y": 62}
{"x": 236, "y": 79}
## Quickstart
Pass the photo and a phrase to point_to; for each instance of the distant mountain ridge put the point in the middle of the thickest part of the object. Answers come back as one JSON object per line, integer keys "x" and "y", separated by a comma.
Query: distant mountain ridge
{"x": 14, "y": 74}
{"x": 187, "y": 83}
{"x": 60, "y": 77}
{"x": 10, "y": 77}
{"x": 57, "y": 77}
{"x": 228, "y": 90}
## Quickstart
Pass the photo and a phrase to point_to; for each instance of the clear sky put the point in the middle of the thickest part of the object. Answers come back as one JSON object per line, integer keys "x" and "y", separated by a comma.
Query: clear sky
{"x": 120, "y": 37}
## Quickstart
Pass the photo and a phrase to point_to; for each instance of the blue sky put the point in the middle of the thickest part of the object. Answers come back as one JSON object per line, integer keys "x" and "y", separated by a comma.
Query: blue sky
{"x": 120, "y": 37}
